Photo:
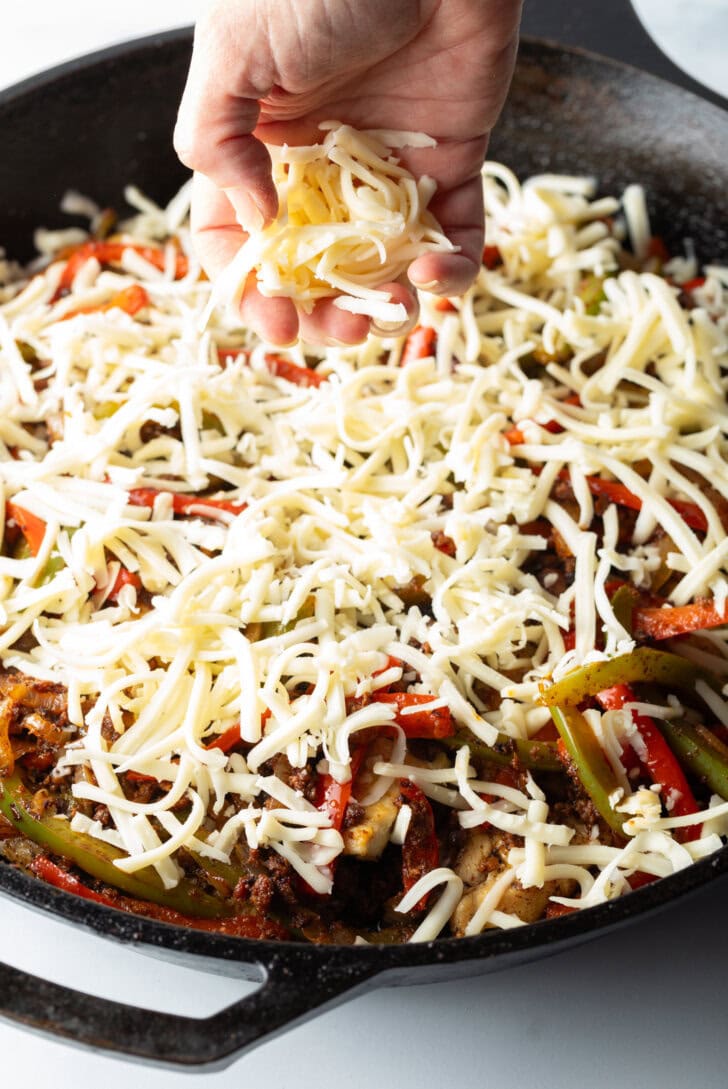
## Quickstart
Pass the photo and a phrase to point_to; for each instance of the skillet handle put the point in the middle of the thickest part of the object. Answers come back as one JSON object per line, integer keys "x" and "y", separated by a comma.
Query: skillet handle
{"x": 286, "y": 997}
{"x": 612, "y": 28}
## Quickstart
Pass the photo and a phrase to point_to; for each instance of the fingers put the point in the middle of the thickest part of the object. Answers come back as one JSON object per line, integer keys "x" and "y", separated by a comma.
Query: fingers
{"x": 218, "y": 237}
{"x": 275, "y": 320}
{"x": 216, "y": 233}
{"x": 217, "y": 115}
{"x": 329, "y": 326}
{"x": 460, "y": 213}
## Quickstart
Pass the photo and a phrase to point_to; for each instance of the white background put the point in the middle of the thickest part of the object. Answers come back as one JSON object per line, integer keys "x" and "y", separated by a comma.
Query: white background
{"x": 643, "y": 1007}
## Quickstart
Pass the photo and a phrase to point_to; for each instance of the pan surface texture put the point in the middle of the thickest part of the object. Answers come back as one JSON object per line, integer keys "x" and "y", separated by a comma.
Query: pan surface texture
{"x": 103, "y": 121}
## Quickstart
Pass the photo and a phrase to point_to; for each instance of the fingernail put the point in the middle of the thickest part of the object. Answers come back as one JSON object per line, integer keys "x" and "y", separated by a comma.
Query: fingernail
{"x": 429, "y": 286}
{"x": 390, "y": 332}
{"x": 248, "y": 213}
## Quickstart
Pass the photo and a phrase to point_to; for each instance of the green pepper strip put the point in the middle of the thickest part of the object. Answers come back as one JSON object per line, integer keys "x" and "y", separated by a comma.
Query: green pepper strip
{"x": 700, "y": 751}
{"x": 591, "y": 765}
{"x": 535, "y": 755}
{"x": 643, "y": 664}
{"x": 623, "y": 604}
{"x": 96, "y": 858}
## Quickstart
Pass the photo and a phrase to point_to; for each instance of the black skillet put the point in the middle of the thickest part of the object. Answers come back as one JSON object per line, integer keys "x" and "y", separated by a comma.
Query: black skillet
{"x": 101, "y": 121}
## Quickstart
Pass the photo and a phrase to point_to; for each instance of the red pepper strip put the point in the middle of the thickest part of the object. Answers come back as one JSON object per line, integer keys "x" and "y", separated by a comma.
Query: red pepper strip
{"x": 508, "y": 777}
{"x": 32, "y": 527}
{"x": 691, "y": 285}
{"x": 131, "y": 300}
{"x": 444, "y": 543}
{"x": 659, "y": 760}
{"x": 333, "y": 797}
{"x": 554, "y": 911}
{"x": 419, "y": 724}
{"x": 617, "y": 493}
{"x": 140, "y": 777}
{"x": 183, "y": 504}
{"x": 240, "y": 926}
{"x": 124, "y": 578}
{"x": 419, "y": 344}
{"x": 657, "y": 248}
{"x": 231, "y": 737}
{"x": 649, "y": 623}
{"x": 291, "y": 372}
{"x": 515, "y": 436}
{"x": 227, "y": 740}
{"x": 110, "y": 253}
{"x": 420, "y": 850}
{"x": 640, "y": 878}
{"x": 224, "y": 354}
{"x": 492, "y": 257}
{"x": 444, "y": 306}
{"x": 75, "y": 262}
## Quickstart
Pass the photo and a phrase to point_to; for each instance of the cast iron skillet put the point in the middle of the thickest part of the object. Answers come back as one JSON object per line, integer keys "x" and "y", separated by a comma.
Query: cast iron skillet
{"x": 101, "y": 121}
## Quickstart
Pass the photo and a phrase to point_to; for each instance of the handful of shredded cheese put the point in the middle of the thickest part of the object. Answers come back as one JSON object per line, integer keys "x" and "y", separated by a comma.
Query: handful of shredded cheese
{"x": 351, "y": 218}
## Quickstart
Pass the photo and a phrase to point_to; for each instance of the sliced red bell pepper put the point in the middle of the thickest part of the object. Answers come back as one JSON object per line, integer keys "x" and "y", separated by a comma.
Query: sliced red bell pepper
{"x": 110, "y": 253}
{"x": 291, "y": 372}
{"x": 225, "y": 354}
{"x": 492, "y": 257}
{"x": 32, "y": 527}
{"x": 659, "y": 759}
{"x": 692, "y": 285}
{"x": 184, "y": 504}
{"x": 665, "y": 623}
{"x": 617, "y": 493}
{"x": 124, "y": 578}
{"x": 333, "y": 797}
{"x": 444, "y": 543}
{"x": 419, "y": 344}
{"x": 418, "y": 724}
{"x": 657, "y": 248}
{"x": 227, "y": 740}
{"x": 639, "y": 878}
{"x": 241, "y": 926}
{"x": 140, "y": 777}
{"x": 131, "y": 300}
{"x": 515, "y": 436}
{"x": 444, "y": 306}
{"x": 420, "y": 850}
{"x": 555, "y": 911}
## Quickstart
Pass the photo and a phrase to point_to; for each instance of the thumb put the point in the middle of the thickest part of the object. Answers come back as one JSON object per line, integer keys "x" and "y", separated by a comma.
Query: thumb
{"x": 217, "y": 115}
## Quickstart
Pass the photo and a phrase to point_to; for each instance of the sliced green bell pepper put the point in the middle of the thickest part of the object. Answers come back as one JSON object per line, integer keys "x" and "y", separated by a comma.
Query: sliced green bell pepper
{"x": 644, "y": 664}
{"x": 590, "y": 763}
{"x": 96, "y": 858}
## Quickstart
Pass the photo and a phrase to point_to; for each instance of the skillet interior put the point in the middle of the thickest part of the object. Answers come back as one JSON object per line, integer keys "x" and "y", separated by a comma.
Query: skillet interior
{"x": 567, "y": 112}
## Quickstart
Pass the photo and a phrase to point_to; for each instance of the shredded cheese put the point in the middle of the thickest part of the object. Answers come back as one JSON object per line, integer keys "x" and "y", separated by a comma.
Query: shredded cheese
{"x": 350, "y": 218}
{"x": 274, "y": 616}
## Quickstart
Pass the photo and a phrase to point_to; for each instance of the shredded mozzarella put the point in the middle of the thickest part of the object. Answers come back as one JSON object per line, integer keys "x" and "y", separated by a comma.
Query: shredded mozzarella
{"x": 350, "y": 218}
{"x": 277, "y": 616}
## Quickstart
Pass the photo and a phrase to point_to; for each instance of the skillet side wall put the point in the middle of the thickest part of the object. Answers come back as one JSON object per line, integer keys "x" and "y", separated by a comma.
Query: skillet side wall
{"x": 93, "y": 127}
{"x": 567, "y": 112}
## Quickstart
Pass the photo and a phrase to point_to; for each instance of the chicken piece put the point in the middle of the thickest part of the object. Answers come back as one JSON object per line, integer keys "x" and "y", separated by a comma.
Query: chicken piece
{"x": 529, "y": 904}
{"x": 370, "y": 835}
{"x": 474, "y": 859}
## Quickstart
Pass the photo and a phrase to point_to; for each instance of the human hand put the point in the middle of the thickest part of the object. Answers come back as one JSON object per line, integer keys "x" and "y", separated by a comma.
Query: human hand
{"x": 268, "y": 71}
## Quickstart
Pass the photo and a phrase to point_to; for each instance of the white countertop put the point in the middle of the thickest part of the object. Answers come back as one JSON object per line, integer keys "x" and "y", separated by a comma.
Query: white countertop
{"x": 643, "y": 1007}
